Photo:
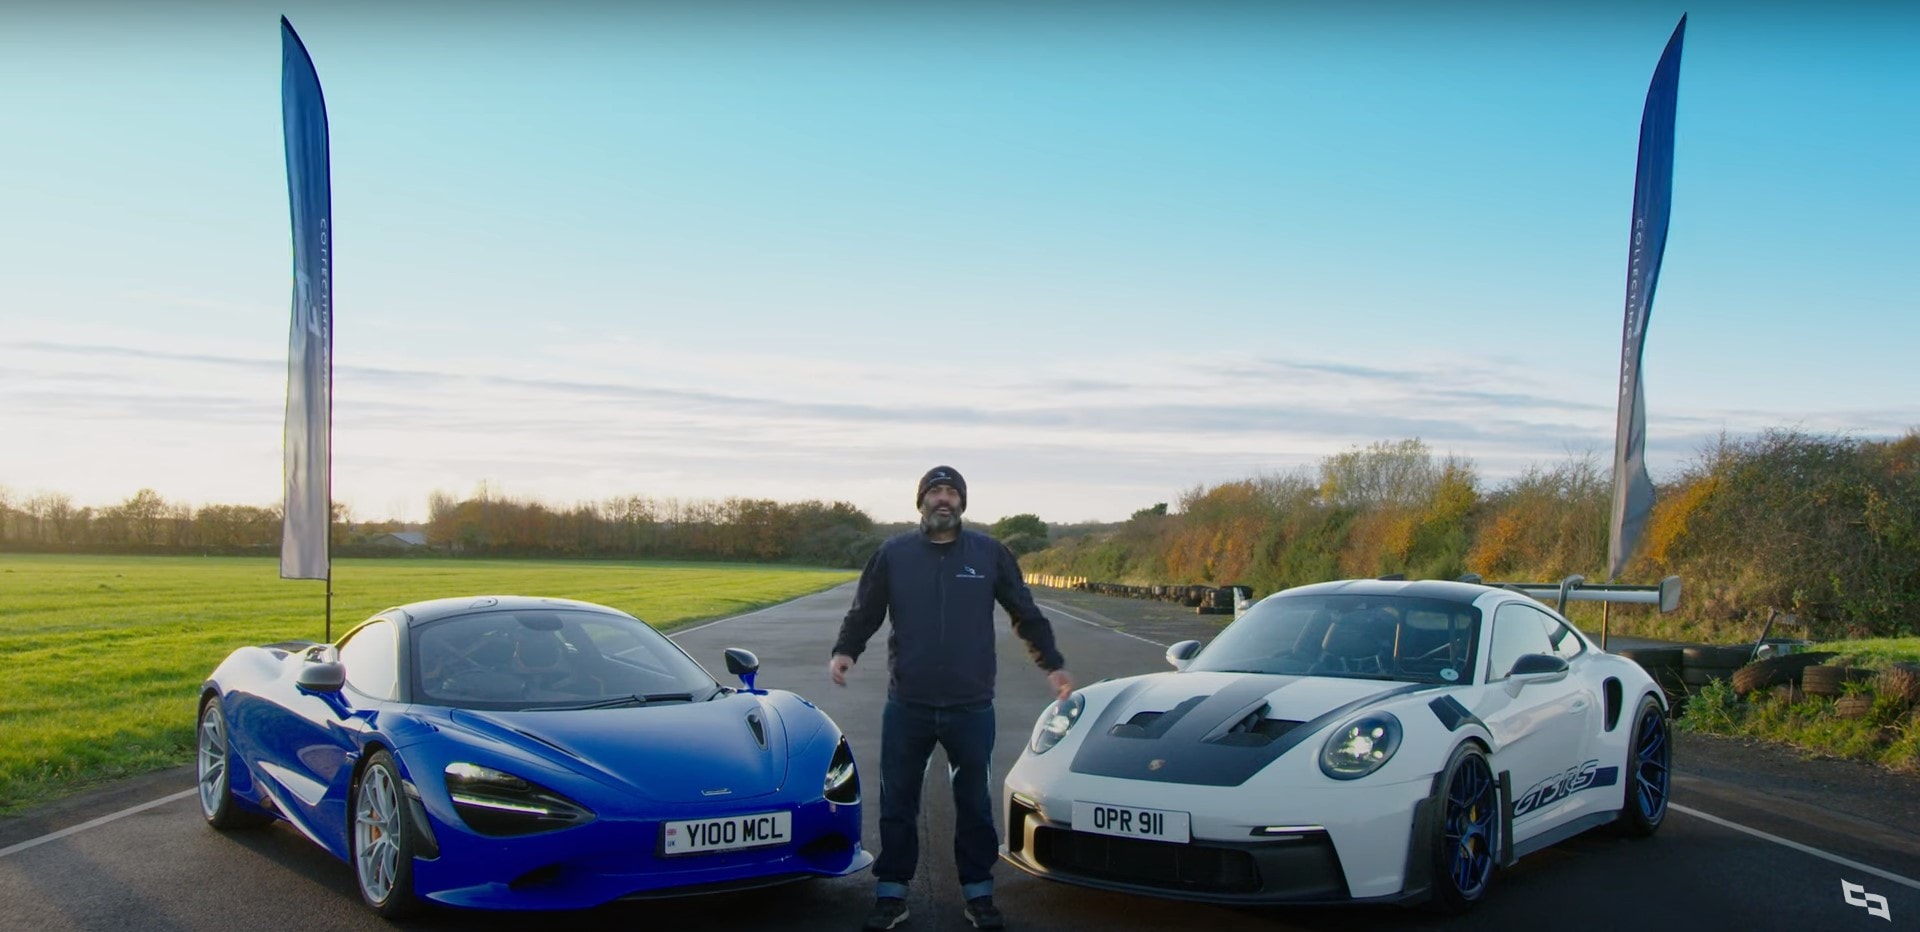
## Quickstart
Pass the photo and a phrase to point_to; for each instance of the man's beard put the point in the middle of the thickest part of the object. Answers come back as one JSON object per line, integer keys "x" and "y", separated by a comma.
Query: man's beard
{"x": 935, "y": 522}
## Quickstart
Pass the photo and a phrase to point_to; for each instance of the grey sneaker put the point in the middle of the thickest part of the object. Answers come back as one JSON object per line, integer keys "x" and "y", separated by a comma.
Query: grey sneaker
{"x": 984, "y": 915}
{"x": 887, "y": 912}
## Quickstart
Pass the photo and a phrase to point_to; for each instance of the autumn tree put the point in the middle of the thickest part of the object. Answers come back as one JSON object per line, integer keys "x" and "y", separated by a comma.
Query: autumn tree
{"x": 1023, "y": 533}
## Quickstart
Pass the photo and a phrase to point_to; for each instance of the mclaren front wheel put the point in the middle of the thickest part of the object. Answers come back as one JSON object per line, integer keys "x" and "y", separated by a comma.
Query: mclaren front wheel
{"x": 213, "y": 765}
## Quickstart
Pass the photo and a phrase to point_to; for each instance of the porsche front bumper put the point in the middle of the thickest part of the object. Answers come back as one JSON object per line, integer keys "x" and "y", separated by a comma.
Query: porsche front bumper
{"x": 1346, "y": 847}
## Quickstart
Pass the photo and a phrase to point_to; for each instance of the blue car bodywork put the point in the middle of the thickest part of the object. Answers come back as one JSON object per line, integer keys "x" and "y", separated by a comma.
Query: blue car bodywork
{"x": 523, "y": 785}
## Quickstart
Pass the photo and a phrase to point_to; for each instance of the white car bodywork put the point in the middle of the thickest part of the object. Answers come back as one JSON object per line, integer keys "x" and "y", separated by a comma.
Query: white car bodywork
{"x": 1265, "y": 822}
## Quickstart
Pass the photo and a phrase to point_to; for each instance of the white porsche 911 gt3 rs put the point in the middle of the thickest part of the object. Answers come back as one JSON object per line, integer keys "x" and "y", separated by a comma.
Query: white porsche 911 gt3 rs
{"x": 1363, "y": 740}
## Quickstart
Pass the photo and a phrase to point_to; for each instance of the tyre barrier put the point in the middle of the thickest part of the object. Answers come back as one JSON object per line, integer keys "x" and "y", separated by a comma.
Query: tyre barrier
{"x": 1856, "y": 706}
{"x": 1665, "y": 665}
{"x": 1830, "y": 681}
{"x": 1716, "y": 655}
{"x": 1775, "y": 671}
{"x": 1696, "y": 676}
{"x": 1204, "y": 600}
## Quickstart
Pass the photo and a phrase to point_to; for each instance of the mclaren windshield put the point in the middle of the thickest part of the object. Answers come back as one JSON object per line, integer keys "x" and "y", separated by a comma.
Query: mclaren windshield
{"x": 1362, "y": 637}
{"x": 551, "y": 659}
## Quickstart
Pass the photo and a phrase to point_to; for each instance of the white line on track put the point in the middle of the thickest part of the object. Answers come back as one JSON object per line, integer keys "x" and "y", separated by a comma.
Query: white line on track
{"x": 722, "y": 621}
{"x": 1803, "y": 849}
{"x": 92, "y": 823}
{"x": 1055, "y": 609}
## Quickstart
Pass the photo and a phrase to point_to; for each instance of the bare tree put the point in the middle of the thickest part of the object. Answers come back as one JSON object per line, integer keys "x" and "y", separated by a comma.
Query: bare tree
{"x": 143, "y": 513}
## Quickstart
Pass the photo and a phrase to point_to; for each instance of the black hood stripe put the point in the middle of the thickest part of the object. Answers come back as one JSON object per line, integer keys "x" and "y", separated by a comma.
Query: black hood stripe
{"x": 1188, "y": 751}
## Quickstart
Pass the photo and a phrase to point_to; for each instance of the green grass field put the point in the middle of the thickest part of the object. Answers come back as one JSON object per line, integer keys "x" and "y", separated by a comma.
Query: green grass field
{"x": 100, "y": 657}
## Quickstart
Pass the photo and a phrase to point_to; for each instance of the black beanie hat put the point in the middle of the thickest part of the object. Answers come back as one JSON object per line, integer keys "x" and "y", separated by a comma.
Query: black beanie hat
{"x": 936, "y": 476}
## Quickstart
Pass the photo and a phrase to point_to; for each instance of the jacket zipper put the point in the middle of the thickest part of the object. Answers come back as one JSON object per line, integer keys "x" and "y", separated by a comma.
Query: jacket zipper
{"x": 940, "y": 587}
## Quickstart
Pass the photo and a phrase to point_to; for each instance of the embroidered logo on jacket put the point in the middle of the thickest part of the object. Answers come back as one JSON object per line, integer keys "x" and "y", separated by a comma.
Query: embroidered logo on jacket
{"x": 968, "y": 573}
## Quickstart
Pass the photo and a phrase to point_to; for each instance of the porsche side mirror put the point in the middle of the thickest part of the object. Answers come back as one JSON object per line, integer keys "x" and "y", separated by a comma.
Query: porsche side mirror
{"x": 1182, "y": 654}
{"x": 1536, "y": 668}
{"x": 322, "y": 676}
{"x": 742, "y": 663}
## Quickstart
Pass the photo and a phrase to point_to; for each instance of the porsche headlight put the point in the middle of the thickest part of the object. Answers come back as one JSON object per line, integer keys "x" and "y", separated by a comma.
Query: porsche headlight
{"x": 843, "y": 780}
{"x": 1055, "y": 722}
{"x": 494, "y": 802}
{"x": 1361, "y": 746}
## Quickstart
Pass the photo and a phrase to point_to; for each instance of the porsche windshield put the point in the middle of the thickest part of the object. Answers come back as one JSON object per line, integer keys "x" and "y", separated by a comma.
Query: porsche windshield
{"x": 1363, "y": 637}
{"x": 550, "y": 659}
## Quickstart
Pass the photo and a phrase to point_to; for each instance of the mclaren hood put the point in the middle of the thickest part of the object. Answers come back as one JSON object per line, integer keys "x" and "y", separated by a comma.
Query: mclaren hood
{"x": 1218, "y": 729}
{"x": 684, "y": 752}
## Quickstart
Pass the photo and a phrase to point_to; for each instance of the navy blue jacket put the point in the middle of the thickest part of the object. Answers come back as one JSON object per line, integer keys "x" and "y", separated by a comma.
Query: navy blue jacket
{"x": 940, "y": 598}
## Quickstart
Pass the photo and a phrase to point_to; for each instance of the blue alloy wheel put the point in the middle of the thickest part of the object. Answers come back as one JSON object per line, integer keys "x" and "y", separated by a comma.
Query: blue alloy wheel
{"x": 1469, "y": 834}
{"x": 1652, "y": 753}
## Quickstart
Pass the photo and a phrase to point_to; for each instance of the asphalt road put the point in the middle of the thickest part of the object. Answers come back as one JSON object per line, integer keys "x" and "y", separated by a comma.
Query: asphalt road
{"x": 162, "y": 868}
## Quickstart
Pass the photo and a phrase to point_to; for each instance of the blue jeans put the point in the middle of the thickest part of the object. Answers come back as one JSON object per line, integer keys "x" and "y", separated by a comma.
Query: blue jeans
{"x": 908, "y": 733}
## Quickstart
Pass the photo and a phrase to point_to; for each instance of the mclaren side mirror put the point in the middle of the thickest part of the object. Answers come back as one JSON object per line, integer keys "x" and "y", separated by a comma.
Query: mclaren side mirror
{"x": 1181, "y": 654}
{"x": 742, "y": 663}
{"x": 322, "y": 676}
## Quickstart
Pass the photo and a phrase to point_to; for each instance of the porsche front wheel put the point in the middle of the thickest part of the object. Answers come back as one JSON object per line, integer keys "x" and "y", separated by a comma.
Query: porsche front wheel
{"x": 383, "y": 840}
{"x": 1467, "y": 834}
{"x": 213, "y": 760}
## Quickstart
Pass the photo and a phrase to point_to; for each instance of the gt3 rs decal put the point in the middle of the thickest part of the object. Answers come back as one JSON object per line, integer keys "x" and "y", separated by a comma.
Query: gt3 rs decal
{"x": 1192, "y": 748}
{"x": 1562, "y": 785}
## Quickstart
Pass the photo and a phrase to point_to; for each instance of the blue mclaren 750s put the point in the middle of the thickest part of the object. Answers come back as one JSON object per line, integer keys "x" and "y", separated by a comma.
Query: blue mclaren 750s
{"x": 515, "y": 752}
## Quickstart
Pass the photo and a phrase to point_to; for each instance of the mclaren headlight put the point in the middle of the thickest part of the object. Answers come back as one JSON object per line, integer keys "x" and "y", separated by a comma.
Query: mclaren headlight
{"x": 1361, "y": 746}
{"x": 843, "y": 779}
{"x": 1055, "y": 722}
{"x": 494, "y": 802}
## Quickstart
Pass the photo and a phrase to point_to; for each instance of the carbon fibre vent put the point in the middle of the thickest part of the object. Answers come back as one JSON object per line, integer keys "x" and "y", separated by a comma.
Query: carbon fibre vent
{"x": 1154, "y": 724}
{"x": 1256, "y": 734}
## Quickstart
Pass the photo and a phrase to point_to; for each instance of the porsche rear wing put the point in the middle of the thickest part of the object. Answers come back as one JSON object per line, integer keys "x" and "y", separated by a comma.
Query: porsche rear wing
{"x": 1575, "y": 589}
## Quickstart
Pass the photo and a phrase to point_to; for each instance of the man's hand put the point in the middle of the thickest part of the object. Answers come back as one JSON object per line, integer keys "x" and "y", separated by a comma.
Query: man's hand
{"x": 1062, "y": 682}
{"x": 837, "y": 669}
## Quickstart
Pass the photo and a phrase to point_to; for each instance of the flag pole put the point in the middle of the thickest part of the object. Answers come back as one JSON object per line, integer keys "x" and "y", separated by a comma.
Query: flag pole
{"x": 326, "y": 247}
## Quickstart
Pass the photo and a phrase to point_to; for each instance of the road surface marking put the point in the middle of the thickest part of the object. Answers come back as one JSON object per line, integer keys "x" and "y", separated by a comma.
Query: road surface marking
{"x": 92, "y": 823}
{"x": 1057, "y": 610}
{"x": 1804, "y": 849}
{"x": 756, "y": 611}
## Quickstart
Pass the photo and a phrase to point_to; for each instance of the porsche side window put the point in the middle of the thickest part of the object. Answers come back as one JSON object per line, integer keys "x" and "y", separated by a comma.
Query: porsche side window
{"x": 1565, "y": 643}
{"x": 371, "y": 661}
{"x": 1517, "y": 631}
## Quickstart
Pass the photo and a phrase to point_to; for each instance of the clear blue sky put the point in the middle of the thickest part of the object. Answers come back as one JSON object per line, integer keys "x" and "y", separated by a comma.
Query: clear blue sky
{"x": 1090, "y": 254}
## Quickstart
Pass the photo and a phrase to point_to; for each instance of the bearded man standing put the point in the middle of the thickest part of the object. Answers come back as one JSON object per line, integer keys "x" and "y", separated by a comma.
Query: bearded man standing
{"x": 938, "y": 585}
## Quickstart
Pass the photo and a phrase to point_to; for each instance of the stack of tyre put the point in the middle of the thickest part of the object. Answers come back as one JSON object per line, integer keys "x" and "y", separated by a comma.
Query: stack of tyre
{"x": 1788, "y": 672}
{"x": 1853, "y": 688}
{"x": 1832, "y": 681}
{"x": 1684, "y": 671}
